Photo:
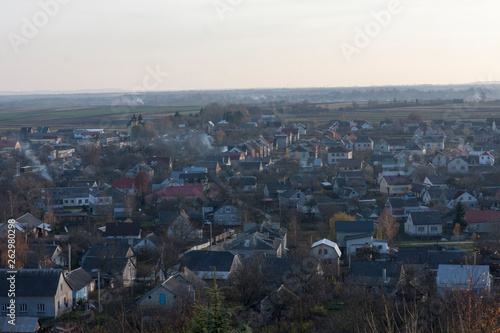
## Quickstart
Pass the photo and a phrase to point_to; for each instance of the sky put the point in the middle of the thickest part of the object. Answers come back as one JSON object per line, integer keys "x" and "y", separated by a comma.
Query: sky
{"x": 149, "y": 45}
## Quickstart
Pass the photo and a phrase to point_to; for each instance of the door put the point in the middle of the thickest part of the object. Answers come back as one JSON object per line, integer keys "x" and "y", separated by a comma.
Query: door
{"x": 162, "y": 299}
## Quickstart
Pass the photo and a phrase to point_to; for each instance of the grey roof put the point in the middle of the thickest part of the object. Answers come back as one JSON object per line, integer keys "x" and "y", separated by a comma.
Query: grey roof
{"x": 401, "y": 202}
{"x": 108, "y": 250}
{"x": 354, "y": 226}
{"x": 438, "y": 179}
{"x": 32, "y": 282}
{"x": 107, "y": 266}
{"x": 122, "y": 229}
{"x": 78, "y": 279}
{"x": 370, "y": 272}
{"x": 437, "y": 257}
{"x": 222, "y": 261}
{"x": 398, "y": 180}
{"x": 462, "y": 275}
{"x": 166, "y": 217}
{"x": 274, "y": 187}
{"x": 29, "y": 219}
{"x": 23, "y": 324}
{"x": 250, "y": 243}
{"x": 429, "y": 217}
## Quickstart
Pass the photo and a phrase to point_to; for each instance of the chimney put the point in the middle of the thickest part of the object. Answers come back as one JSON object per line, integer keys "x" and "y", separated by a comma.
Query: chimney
{"x": 384, "y": 275}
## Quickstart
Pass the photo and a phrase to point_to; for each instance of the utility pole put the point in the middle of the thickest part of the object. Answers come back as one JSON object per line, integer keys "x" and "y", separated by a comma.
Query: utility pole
{"x": 99, "y": 290}
{"x": 131, "y": 279}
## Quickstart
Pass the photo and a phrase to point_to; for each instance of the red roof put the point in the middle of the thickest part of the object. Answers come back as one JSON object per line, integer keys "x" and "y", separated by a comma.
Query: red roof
{"x": 478, "y": 216}
{"x": 8, "y": 143}
{"x": 124, "y": 183}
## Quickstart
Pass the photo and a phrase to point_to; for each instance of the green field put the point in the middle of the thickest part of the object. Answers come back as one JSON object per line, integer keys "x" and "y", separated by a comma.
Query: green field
{"x": 14, "y": 118}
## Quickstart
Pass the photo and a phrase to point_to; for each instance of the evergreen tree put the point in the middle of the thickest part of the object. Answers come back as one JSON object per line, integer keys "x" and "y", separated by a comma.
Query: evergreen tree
{"x": 460, "y": 216}
{"x": 212, "y": 317}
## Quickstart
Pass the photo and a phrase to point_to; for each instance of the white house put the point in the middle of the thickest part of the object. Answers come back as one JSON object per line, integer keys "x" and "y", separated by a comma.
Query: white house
{"x": 486, "y": 159}
{"x": 427, "y": 223}
{"x": 466, "y": 198}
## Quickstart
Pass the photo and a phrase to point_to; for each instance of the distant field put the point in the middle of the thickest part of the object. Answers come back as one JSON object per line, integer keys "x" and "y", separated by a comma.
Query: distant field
{"x": 113, "y": 116}
{"x": 449, "y": 111}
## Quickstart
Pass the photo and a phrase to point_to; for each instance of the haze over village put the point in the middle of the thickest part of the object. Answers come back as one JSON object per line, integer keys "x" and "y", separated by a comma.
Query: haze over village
{"x": 234, "y": 166}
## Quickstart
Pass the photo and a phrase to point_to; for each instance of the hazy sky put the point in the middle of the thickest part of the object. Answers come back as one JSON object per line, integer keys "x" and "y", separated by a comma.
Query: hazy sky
{"x": 212, "y": 44}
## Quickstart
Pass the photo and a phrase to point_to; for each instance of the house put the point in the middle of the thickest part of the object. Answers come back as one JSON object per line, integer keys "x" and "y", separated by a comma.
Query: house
{"x": 463, "y": 277}
{"x": 104, "y": 200}
{"x": 178, "y": 288}
{"x": 328, "y": 254}
{"x": 114, "y": 263}
{"x": 211, "y": 166}
{"x": 125, "y": 185}
{"x": 243, "y": 183}
{"x": 482, "y": 221}
{"x": 127, "y": 230}
{"x": 81, "y": 283}
{"x": 9, "y": 145}
{"x": 486, "y": 159}
{"x": 402, "y": 206}
{"x": 350, "y": 164}
{"x": 183, "y": 227}
{"x": 208, "y": 265}
{"x": 302, "y": 153}
{"x": 434, "y": 142}
{"x": 439, "y": 160}
{"x": 227, "y": 215}
{"x": 395, "y": 185}
{"x": 65, "y": 197}
{"x": 336, "y": 154}
{"x": 375, "y": 274}
{"x": 163, "y": 163}
{"x": 42, "y": 293}
{"x": 363, "y": 143}
{"x": 151, "y": 243}
{"x": 257, "y": 245}
{"x": 458, "y": 165}
{"x": 465, "y": 197}
{"x": 439, "y": 181}
{"x": 140, "y": 167}
{"x": 427, "y": 223}
{"x": 274, "y": 189}
{"x": 344, "y": 229}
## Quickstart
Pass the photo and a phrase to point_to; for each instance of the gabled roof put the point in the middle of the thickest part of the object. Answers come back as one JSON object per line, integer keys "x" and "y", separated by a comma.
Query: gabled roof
{"x": 124, "y": 183}
{"x": 478, "y": 216}
{"x": 397, "y": 180}
{"x": 30, "y": 220}
{"x": 78, "y": 279}
{"x": 23, "y": 324}
{"x": 430, "y": 217}
{"x": 354, "y": 226}
{"x": 463, "y": 275}
{"x": 114, "y": 229}
{"x": 401, "y": 202}
{"x": 108, "y": 266}
{"x": 328, "y": 243}
{"x": 32, "y": 282}
{"x": 370, "y": 272}
{"x": 108, "y": 250}
{"x": 206, "y": 261}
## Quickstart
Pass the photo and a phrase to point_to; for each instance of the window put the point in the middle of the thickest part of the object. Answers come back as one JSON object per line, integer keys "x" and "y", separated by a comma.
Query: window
{"x": 319, "y": 251}
{"x": 221, "y": 218}
{"x": 79, "y": 201}
{"x": 86, "y": 200}
{"x": 420, "y": 229}
{"x": 65, "y": 201}
{"x": 40, "y": 308}
{"x": 325, "y": 251}
{"x": 60, "y": 286}
{"x": 72, "y": 201}
{"x": 228, "y": 209}
{"x": 23, "y": 307}
{"x": 462, "y": 167}
{"x": 434, "y": 228}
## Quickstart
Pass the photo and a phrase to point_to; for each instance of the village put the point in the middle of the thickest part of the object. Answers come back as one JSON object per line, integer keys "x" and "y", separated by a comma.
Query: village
{"x": 300, "y": 225}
